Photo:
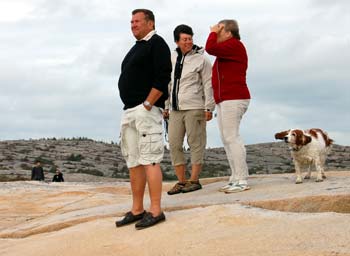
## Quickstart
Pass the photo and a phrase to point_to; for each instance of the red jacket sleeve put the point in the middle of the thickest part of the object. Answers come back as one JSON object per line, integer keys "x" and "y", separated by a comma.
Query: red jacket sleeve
{"x": 229, "y": 49}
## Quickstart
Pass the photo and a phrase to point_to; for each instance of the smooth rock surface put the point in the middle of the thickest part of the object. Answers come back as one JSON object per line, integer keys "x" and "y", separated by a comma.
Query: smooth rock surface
{"x": 38, "y": 218}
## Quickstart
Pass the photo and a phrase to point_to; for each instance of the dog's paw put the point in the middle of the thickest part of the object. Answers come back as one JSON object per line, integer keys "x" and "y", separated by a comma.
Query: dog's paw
{"x": 307, "y": 177}
{"x": 319, "y": 180}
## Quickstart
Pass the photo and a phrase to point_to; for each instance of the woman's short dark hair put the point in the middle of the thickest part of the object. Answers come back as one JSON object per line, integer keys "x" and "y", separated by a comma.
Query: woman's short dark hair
{"x": 231, "y": 26}
{"x": 184, "y": 29}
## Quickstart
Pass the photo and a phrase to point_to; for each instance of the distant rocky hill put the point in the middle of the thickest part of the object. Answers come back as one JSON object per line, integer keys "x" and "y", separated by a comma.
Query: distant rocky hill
{"x": 99, "y": 159}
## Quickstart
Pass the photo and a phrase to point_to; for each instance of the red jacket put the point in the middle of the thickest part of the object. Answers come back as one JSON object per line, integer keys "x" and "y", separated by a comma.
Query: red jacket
{"x": 229, "y": 69}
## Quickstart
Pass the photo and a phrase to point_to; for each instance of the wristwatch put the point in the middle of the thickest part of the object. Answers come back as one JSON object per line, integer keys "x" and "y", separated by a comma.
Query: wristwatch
{"x": 147, "y": 104}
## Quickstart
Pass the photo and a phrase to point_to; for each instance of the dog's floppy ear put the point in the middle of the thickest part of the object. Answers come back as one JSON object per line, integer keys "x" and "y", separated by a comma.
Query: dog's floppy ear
{"x": 300, "y": 138}
{"x": 281, "y": 135}
{"x": 306, "y": 139}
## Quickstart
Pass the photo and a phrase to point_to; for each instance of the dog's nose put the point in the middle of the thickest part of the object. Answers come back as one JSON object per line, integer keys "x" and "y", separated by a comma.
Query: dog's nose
{"x": 285, "y": 139}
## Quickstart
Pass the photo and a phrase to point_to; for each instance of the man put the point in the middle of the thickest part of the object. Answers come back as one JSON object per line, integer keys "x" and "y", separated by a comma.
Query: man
{"x": 143, "y": 84}
{"x": 37, "y": 171}
{"x": 231, "y": 95}
{"x": 191, "y": 102}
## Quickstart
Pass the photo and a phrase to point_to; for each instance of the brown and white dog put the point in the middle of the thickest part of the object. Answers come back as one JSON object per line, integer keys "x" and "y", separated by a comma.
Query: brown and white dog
{"x": 308, "y": 147}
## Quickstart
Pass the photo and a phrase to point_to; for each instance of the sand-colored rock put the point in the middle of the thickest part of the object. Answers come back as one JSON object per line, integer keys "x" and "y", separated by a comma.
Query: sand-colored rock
{"x": 78, "y": 219}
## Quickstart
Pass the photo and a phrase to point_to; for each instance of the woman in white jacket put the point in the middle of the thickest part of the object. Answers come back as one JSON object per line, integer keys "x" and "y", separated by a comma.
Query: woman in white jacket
{"x": 189, "y": 106}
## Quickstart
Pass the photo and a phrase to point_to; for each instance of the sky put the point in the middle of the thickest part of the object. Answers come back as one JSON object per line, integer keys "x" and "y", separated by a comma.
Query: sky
{"x": 60, "y": 64}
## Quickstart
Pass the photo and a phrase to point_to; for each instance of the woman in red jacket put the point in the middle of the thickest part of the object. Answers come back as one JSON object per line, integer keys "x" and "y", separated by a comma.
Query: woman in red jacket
{"x": 231, "y": 95}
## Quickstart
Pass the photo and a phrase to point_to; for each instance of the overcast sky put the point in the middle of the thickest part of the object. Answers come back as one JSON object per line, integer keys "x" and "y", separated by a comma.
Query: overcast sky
{"x": 60, "y": 63}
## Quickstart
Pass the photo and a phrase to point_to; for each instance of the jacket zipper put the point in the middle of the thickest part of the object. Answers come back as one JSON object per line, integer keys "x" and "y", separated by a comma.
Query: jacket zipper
{"x": 217, "y": 71}
{"x": 177, "y": 86}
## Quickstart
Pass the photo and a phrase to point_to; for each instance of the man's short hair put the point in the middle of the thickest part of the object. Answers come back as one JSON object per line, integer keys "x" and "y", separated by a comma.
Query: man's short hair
{"x": 184, "y": 29}
{"x": 148, "y": 14}
{"x": 231, "y": 26}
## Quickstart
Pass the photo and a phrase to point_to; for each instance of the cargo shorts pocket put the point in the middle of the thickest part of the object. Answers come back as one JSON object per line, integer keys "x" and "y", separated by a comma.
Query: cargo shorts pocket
{"x": 151, "y": 144}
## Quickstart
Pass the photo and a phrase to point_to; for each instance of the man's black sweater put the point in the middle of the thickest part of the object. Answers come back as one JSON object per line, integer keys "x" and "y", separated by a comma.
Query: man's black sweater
{"x": 38, "y": 173}
{"x": 147, "y": 65}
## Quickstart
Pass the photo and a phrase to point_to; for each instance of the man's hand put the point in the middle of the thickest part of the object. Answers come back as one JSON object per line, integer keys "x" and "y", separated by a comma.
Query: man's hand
{"x": 208, "y": 115}
{"x": 166, "y": 114}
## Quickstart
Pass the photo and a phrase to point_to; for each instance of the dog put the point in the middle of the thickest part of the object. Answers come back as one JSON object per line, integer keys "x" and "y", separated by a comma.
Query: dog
{"x": 308, "y": 148}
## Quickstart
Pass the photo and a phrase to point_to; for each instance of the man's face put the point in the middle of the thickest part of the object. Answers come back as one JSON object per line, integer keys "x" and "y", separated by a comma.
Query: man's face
{"x": 140, "y": 27}
{"x": 185, "y": 43}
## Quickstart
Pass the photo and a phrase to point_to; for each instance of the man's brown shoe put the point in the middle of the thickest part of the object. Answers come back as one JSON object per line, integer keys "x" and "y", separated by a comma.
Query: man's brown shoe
{"x": 191, "y": 186}
{"x": 177, "y": 188}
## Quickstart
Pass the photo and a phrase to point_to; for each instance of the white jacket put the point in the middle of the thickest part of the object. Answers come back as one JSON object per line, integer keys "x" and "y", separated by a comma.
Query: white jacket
{"x": 195, "y": 89}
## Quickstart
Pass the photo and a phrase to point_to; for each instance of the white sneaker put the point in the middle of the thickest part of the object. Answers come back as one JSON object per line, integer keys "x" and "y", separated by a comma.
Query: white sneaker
{"x": 223, "y": 188}
{"x": 237, "y": 188}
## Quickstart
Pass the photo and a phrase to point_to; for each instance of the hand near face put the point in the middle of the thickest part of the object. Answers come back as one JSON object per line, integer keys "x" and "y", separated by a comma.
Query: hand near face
{"x": 216, "y": 28}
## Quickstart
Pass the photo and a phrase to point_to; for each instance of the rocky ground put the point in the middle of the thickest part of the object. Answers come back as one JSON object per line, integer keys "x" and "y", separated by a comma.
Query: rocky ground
{"x": 82, "y": 159}
{"x": 275, "y": 217}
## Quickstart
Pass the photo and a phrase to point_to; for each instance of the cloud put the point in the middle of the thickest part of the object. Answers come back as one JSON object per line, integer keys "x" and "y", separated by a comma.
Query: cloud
{"x": 61, "y": 63}
{"x": 14, "y": 10}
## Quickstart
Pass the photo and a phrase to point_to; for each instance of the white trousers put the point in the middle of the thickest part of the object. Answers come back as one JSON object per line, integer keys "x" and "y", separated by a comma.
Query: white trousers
{"x": 229, "y": 115}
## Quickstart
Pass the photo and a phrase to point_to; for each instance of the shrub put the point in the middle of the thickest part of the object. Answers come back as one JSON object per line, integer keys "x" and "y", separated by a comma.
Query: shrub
{"x": 25, "y": 166}
{"x": 168, "y": 176}
{"x": 53, "y": 169}
{"x": 123, "y": 173}
{"x": 87, "y": 164}
{"x": 214, "y": 170}
{"x": 257, "y": 170}
{"x": 76, "y": 158}
{"x": 91, "y": 172}
{"x": 25, "y": 159}
{"x": 43, "y": 160}
{"x": 24, "y": 151}
{"x": 6, "y": 178}
{"x": 9, "y": 158}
